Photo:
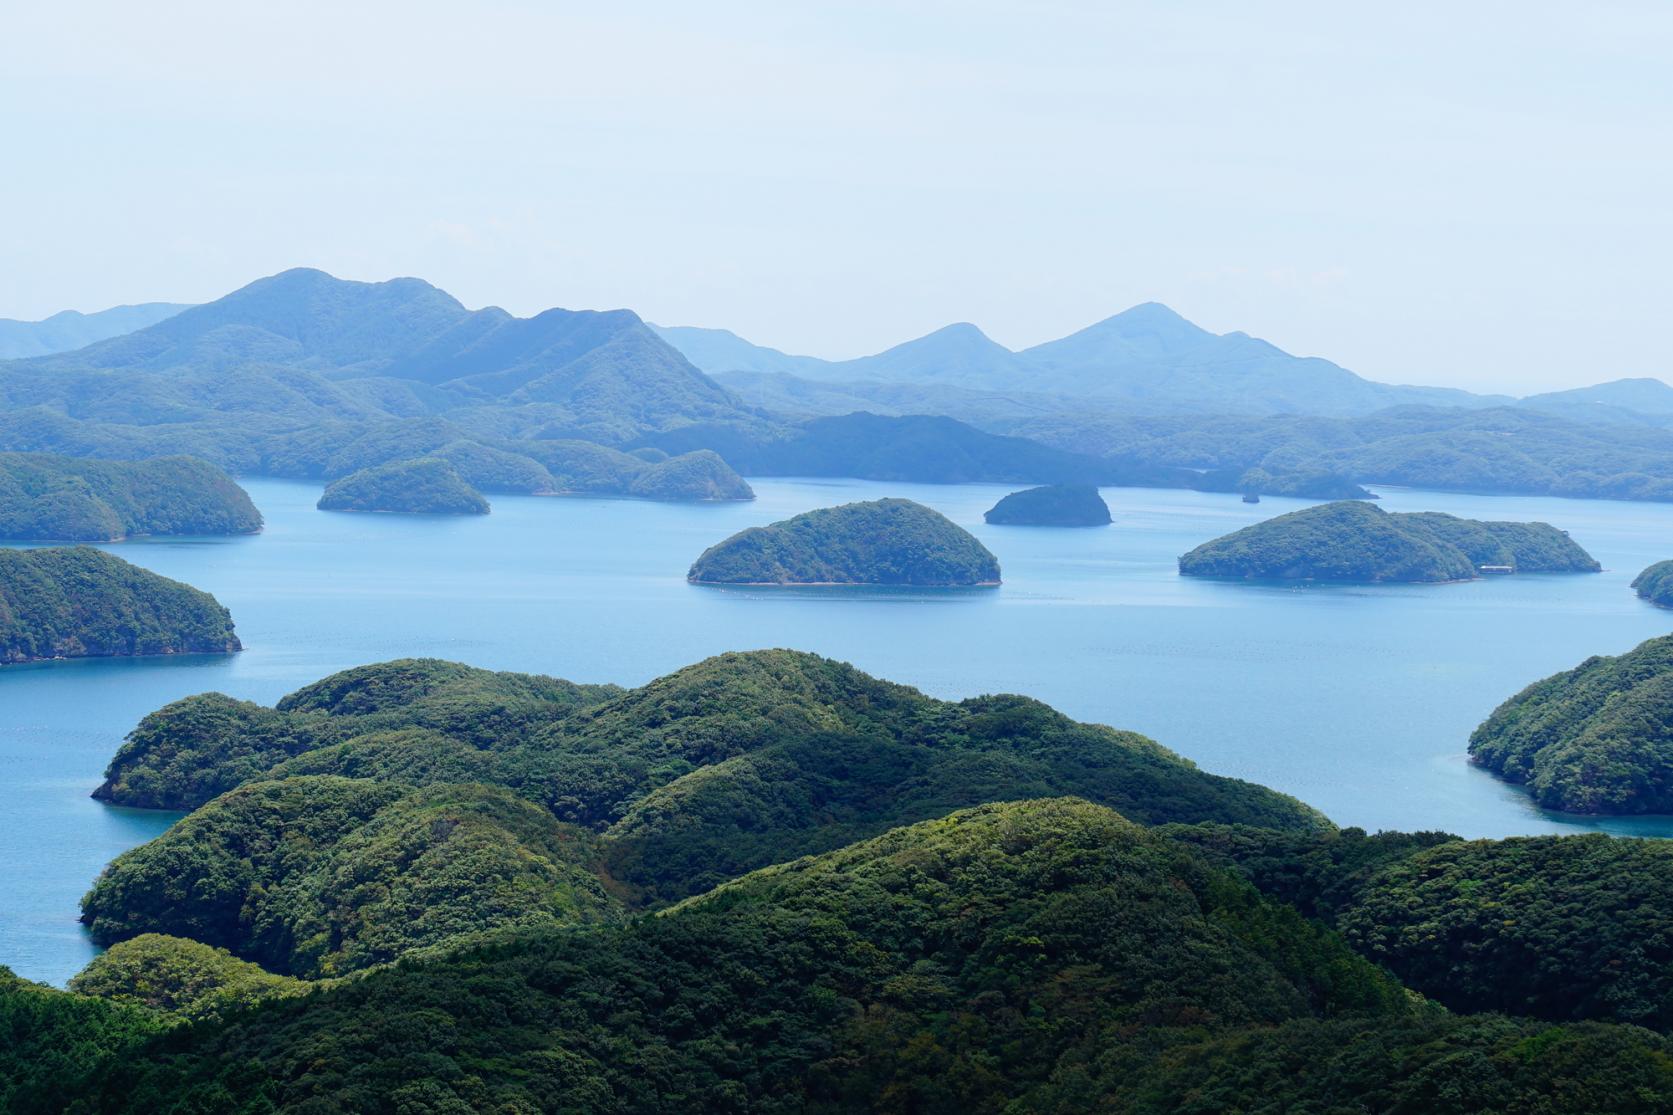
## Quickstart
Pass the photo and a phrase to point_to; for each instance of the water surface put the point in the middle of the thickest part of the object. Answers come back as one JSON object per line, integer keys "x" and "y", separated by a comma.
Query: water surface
{"x": 1358, "y": 700}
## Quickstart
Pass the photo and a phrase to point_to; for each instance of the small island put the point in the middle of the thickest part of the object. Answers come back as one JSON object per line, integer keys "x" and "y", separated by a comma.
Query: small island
{"x": 78, "y": 602}
{"x": 1357, "y": 542}
{"x": 1655, "y": 584}
{"x": 882, "y": 542}
{"x": 423, "y": 486}
{"x": 47, "y": 498}
{"x": 1594, "y": 739}
{"x": 1052, "y": 505}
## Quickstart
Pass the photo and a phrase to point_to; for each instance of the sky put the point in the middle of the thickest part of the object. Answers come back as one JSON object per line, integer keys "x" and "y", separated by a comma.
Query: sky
{"x": 1477, "y": 195}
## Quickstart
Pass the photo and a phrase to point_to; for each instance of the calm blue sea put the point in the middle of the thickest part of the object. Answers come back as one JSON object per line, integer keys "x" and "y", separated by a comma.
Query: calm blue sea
{"x": 1358, "y": 700}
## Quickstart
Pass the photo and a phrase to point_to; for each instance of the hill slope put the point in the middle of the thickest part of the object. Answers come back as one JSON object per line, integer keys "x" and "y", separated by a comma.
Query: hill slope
{"x": 1351, "y": 540}
{"x": 1594, "y": 739}
{"x": 79, "y": 602}
{"x": 881, "y": 542}
{"x": 63, "y": 499}
{"x": 727, "y": 765}
{"x": 70, "y": 329}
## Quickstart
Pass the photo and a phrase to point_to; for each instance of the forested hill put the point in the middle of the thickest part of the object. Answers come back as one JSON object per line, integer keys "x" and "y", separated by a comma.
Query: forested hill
{"x": 418, "y": 886}
{"x": 427, "y": 485}
{"x": 879, "y": 542}
{"x": 1355, "y": 541}
{"x": 65, "y": 499}
{"x": 1594, "y": 739}
{"x": 729, "y": 764}
{"x": 83, "y": 603}
{"x": 1044, "y": 955}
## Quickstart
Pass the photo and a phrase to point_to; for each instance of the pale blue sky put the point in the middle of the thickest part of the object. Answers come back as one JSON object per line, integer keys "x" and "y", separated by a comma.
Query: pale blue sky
{"x": 1476, "y": 194}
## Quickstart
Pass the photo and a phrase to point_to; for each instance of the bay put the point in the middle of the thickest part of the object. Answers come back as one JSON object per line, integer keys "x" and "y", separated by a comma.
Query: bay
{"x": 1357, "y": 699}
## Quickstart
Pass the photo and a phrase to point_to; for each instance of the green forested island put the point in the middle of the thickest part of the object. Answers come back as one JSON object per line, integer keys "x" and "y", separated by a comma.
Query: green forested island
{"x": 425, "y": 485}
{"x": 1594, "y": 739}
{"x": 1354, "y": 541}
{"x": 880, "y": 542}
{"x": 65, "y": 499}
{"x": 1655, "y": 584}
{"x": 1054, "y": 505}
{"x": 78, "y": 602}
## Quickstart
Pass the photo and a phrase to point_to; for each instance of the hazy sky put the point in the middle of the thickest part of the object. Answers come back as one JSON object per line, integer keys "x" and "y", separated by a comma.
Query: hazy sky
{"x": 1473, "y": 194}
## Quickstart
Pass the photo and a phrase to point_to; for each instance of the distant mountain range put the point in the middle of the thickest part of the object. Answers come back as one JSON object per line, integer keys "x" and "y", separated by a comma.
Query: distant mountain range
{"x": 70, "y": 329}
{"x": 1144, "y": 360}
{"x": 302, "y": 374}
{"x": 304, "y": 343}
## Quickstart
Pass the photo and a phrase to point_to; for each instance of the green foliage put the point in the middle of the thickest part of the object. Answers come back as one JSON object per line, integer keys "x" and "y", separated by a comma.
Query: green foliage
{"x": 881, "y": 542}
{"x": 320, "y": 876}
{"x": 1352, "y": 540}
{"x": 727, "y": 765}
{"x": 80, "y": 602}
{"x": 52, "y": 1044}
{"x": 1055, "y": 505}
{"x": 47, "y": 498}
{"x": 188, "y": 752}
{"x": 180, "y": 978}
{"x": 1559, "y": 928}
{"x": 1655, "y": 584}
{"x": 970, "y": 961}
{"x": 426, "y": 485}
{"x": 1422, "y": 1064}
{"x": 1320, "y": 873}
{"x": 1594, "y": 739}
{"x": 1569, "y": 927}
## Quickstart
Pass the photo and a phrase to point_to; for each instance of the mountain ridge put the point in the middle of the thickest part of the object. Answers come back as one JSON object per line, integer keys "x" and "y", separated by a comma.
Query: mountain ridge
{"x": 1147, "y": 357}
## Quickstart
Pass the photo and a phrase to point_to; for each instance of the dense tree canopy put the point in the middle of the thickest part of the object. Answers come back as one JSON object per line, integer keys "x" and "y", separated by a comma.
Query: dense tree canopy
{"x": 1655, "y": 584}
{"x": 881, "y": 542}
{"x": 63, "y": 499}
{"x": 1594, "y": 739}
{"x": 1351, "y": 540}
{"x": 319, "y": 876}
{"x": 733, "y": 763}
{"x": 81, "y": 602}
{"x": 180, "y": 978}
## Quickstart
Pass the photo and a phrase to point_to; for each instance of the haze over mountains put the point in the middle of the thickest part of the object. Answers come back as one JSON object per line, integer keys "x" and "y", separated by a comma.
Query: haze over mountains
{"x": 1147, "y": 359}
{"x": 70, "y": 329}
{"x": 302, "y": 343}
{"x": 307, "y": 376}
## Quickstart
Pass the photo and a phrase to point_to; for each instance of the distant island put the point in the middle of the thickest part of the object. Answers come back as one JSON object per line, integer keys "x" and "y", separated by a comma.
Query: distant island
{"x": 1594, "y": 739}
{"x": 1053, "y": 505}
{"x": 78, "y": 602}
{"x": 1655, "y": 584}
{"x": 426, "y": 485}
{"x": 883, "y": 542}
{"x": 1354, "y": 541}
{"x": 46, "y": 498}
